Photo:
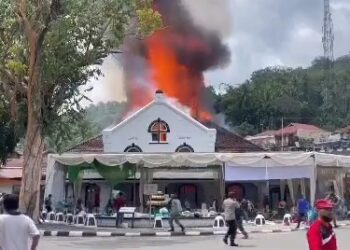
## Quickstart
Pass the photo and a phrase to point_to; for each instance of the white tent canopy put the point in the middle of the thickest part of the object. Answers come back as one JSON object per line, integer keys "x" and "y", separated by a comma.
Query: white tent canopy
{"x": 247, "y": 166}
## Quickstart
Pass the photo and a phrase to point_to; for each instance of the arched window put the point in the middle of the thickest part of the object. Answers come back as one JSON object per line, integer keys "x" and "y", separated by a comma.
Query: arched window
{"x": 159, "y": 130}
{"x": 133, "y": 149}
{"x": 184, "y": 148}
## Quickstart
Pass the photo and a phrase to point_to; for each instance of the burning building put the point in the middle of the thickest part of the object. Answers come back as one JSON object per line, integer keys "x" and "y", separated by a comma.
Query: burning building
{"x": 161, "y": 127}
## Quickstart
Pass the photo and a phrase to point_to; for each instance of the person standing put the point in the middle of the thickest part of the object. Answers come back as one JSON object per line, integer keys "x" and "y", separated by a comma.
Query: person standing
{"x": 229, "y": 205}
{"x": 303, "y": 207}
{"x": 119, "y": 203}
{"x": 16, "y": 229}
{"x": 48, "y": 203}
{"x": 79, "y": 207}
{"x": 244, "y": 207}
{"x": 239, "y": 219}
{"x": 321, "y": 235}
{"x": 175, "y": 213}
{"x": 335, "y": 200}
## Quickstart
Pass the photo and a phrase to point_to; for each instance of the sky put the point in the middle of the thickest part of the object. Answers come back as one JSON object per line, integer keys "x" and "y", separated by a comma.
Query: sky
{"x": 259, "y": 33}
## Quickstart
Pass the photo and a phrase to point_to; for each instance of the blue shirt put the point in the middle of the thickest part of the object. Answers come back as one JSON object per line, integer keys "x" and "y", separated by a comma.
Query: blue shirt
{"x": 303, "y": 206}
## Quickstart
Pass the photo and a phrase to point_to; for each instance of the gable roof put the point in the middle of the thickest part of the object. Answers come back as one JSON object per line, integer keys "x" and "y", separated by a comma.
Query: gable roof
{"x": 160, "y": 99}
{"x": 226, "y": 141}
{"x": 293, "y": 128}
{"x": 93, "y": 145}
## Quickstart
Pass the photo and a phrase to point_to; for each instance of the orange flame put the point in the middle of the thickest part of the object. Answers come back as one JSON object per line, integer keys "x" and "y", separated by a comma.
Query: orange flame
{"x": 171, "y": 76}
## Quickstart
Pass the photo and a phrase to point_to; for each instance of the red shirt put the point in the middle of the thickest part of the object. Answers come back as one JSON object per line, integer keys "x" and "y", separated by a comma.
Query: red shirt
{"x": 119, "y": 202}
{"x": 321, "y": 237}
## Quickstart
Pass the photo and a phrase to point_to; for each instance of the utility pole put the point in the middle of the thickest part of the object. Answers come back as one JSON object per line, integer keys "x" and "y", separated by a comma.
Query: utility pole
{"x": 328, "y": 35}
{"x": 328, "y": 44}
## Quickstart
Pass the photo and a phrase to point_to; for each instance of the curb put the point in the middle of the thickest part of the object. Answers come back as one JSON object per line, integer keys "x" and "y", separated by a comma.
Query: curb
{"x": 46, "y": 233}
{"x": 147, "y": 234}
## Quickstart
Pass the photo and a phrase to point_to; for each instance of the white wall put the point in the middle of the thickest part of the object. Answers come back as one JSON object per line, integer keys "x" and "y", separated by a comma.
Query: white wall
{"x": 6, "y": 189}
{"x": 183, "y": 129}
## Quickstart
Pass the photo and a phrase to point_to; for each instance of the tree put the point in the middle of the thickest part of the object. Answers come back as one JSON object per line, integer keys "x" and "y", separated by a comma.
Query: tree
{"x": 297, "y": 95}
{"x": 48, "y": 49}
{"x": 96, "y": 118}
{"x": 8, "y": 138}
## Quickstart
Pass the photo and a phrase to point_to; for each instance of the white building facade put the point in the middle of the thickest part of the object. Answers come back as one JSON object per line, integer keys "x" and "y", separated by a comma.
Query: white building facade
{"x": 159, "y": 127}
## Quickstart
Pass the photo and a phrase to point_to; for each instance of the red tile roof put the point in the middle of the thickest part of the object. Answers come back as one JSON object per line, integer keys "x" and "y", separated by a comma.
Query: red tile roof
{"x": 293, "y": 128}
{"x": 10, "y": 173}
{"x": 93, "y": 145}
{"x": 13, "y": 168}
{"x": 227, "y": 141}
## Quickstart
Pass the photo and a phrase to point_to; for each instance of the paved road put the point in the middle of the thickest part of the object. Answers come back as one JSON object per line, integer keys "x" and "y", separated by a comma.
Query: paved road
{"x": 285, "y": 241}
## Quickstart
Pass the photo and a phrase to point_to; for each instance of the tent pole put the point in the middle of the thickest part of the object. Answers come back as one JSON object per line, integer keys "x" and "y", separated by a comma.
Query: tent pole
{"x": 141, "y": 187}
{"x": 134, "y": 187}
{"x": 313, "y": 181}
{"x": 223, "y": 183}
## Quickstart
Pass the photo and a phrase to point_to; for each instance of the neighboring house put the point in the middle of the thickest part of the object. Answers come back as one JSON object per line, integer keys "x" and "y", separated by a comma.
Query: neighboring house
{"x": 338, "y": 142}
{"x": 297, "y": 136}
{"x": 266, "y": 139}
{"x": 161, "y": 127}
{"x": 11, "y": 174}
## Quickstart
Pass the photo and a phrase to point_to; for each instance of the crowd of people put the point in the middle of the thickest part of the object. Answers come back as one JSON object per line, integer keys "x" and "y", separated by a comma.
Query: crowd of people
{"x": 16, "y": 229}
{"x": 318, "y": 216}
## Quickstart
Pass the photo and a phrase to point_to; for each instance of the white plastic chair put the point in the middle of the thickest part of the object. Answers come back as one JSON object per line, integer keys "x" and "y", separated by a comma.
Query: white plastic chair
{"x": 79, "y": 220}
{"x": 90, "y": 220}
{"x": 60, "y": 217}
{"x": 158, "y": 222}
{"x": 287, "y": 219}
{"x": 69, "y": 218}
{"x": 219, "y": 223}
{"x": 51, "y": 216}
{"x": 260, "y": 220}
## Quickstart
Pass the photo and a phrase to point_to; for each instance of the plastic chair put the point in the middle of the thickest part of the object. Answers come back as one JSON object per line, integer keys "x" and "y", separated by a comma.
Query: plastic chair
{"x": 287, "y": 219}
{"x": 90, "y": 221}
{"x": 60, "y": 217}
{"x": 260, "y": 220}
{"x": 51, "y": 216}
{"x": 158, "y": 221}
{"x": 69, "y": 218}
{"x": 219, "y": 223}
{"x": 79, "y": 220}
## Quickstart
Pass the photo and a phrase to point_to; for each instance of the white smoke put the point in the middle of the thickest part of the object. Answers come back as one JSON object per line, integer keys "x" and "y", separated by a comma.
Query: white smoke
{"x": 110, "y": 85}
{"x": 213, "y": 15}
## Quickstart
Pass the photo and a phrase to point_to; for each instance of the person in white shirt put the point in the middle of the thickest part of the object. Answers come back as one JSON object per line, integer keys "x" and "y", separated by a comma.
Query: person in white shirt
{"x": 230, "y": 205}
{"x": 17, "y": 231}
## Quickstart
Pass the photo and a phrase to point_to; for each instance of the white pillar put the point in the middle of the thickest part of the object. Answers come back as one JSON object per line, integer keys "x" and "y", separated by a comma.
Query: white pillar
{"x": 313, "y": 180}
{"x": 282, "y": 188}
{"x": 302, "y": 187}
{"x": 291, "y": 190}
{"x": 55, "y": 180}
{"x": 141, "y": 186}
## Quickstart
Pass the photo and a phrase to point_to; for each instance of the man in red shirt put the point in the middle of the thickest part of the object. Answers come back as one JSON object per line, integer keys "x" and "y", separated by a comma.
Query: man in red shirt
{"x": 321, "y": 235}
{"x": 119, "y": 202}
